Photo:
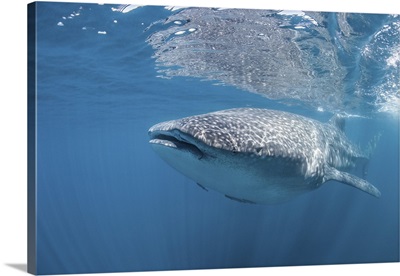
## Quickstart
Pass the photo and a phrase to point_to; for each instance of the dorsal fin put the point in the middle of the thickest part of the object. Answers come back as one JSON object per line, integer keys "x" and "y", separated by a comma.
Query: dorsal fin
{"x": 338, "y": 121}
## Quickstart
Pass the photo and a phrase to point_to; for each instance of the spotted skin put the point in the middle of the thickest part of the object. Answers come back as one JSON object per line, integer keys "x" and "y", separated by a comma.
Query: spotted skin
{"x": 314, "y": 152}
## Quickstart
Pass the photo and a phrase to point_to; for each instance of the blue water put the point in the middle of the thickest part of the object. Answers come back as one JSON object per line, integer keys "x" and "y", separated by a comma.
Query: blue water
{"x": 106, "y": 202}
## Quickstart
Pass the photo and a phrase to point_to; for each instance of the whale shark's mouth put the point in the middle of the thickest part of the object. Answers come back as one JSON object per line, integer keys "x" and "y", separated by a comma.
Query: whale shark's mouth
{"x": 175, "y": 139}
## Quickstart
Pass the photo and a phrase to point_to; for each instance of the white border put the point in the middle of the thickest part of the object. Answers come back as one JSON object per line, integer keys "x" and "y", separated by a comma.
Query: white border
{"x": 13, "y": 146}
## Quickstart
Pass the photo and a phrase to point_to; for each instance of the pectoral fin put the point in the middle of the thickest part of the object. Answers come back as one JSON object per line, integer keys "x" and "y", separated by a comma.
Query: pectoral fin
{"x": 201, "y": 186}
{"x": 352, "y": 180}
{"x": 239, "y": 199}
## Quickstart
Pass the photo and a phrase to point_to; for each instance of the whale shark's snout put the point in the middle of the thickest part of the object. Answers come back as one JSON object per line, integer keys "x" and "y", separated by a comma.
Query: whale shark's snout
{"x": 257, "y": 155}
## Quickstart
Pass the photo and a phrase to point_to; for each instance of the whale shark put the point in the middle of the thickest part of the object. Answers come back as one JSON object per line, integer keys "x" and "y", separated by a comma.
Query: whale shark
{"x": 260, "y": 156}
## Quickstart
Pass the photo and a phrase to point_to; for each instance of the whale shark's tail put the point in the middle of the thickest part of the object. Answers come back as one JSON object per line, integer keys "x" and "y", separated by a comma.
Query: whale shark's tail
{"x": 352, "y": 180}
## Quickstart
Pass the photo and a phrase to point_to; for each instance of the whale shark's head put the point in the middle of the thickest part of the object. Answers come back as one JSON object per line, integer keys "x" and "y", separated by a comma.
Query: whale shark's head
{"x": 186, "y": 141}
{"x": 192, "y": 149}
{"x": 200, "y": 135}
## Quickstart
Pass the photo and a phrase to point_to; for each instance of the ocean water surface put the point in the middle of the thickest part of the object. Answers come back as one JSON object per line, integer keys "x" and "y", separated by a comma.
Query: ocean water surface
{"x": 106, "y": 73}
